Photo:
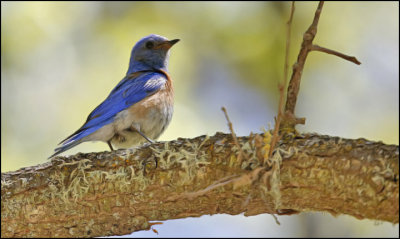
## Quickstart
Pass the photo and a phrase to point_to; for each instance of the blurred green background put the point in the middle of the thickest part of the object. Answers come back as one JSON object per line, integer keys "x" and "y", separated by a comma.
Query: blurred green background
{"x": 59, "y": 60}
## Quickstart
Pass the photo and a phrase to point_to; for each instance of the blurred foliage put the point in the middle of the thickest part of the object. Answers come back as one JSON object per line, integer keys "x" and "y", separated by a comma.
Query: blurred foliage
{"x": 56, "y": 55}
{"x": 61, "y": 59}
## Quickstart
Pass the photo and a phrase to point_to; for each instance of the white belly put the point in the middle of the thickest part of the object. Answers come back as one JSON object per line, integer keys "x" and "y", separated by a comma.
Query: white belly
{"x": 151, "y": 116}
{"x": 152, "y": 125}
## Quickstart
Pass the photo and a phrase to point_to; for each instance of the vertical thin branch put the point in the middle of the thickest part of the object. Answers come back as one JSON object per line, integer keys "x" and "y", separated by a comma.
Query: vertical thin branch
{"x": 281, "y": 86}
{"x": 289, "y": 118}
{"x": 288, "y": 34}
{"x": 294, "y": 84}
{"x": 240, "y": 156}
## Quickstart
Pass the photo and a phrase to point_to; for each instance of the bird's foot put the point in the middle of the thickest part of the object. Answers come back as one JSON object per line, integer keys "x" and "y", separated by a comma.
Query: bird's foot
{"x": 119, "y": 138}
{"x": 143, "y": 135}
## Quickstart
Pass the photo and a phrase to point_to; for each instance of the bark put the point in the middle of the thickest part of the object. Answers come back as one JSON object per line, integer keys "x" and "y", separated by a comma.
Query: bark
{"x": 119, "y": 192}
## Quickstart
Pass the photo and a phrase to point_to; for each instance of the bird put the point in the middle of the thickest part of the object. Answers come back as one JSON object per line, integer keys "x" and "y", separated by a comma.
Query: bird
{"x": 140, "y": 106}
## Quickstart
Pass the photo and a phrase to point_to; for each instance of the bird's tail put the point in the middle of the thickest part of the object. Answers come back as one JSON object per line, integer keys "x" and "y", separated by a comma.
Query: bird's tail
{"x": 65, "y": 147}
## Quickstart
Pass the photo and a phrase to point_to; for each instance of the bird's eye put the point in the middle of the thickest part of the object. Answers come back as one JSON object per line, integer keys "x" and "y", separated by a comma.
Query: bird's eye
{"x": 149, "y": 45}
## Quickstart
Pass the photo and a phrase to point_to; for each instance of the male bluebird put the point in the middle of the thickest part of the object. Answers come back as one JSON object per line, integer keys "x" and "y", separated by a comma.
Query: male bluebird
{"x": 139, "y": 107}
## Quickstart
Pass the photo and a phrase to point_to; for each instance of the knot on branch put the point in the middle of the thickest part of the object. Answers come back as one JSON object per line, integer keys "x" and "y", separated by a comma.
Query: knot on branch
{"x": 289, "y": 121}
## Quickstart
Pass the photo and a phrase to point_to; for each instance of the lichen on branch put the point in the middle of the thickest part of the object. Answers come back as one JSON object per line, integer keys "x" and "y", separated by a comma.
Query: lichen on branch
{"x": 116, "y": 193}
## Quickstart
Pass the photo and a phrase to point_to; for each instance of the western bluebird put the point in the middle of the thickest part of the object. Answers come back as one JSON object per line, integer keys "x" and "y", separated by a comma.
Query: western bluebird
{"x": 139, "y": 108}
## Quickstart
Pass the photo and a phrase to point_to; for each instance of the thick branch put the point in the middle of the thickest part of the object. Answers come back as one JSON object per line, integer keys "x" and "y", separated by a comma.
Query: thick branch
{"x": 116, "y": 193}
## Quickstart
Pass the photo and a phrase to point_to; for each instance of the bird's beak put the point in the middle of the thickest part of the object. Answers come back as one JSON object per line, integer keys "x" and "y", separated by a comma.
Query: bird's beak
{"x": 167, "y": 44}
{"x": 172, "y": 42}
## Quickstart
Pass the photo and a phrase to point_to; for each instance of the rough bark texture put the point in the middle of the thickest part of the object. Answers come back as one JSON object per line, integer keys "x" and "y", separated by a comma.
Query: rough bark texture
{"x": 116, "y": 193}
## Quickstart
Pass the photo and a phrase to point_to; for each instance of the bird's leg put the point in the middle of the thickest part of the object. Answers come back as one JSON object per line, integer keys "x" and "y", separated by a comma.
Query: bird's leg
{"x": 119, "y": 138}
{"x": 145, "y": 162}
{"x": 144, "y": 136}
{"x": 109, "y": 145}
{"x": 138, "y": 131}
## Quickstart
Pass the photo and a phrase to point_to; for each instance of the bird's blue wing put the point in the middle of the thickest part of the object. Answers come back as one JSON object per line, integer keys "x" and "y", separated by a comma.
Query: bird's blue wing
{"x": 129, "y": 91}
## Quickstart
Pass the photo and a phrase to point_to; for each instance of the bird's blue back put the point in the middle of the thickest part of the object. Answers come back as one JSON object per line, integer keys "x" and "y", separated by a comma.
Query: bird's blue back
{"x": 130, "y": 90}
{"x": 126, "y": 108}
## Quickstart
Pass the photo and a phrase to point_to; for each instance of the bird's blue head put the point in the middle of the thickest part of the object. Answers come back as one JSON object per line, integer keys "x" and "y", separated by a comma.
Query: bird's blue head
{"x": 151, "y": 52}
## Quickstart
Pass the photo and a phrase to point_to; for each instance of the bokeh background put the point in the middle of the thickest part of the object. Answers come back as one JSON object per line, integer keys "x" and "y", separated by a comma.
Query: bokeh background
{"x": 59, "y": 60}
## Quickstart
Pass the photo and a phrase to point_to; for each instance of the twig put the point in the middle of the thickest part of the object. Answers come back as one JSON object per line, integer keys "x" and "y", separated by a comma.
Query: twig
{"x": 238, "y": 181}
{"x": 332, "y": 52}
{"x": 281, "y": 86}
{"x": 289, "y": 118}
{"x": 276, "y": 219}
{"x": 233, "y": 135}
{"x": 288, "y": 33}
{"x": 192, "y": 195}
{"x": 294, "y": 84}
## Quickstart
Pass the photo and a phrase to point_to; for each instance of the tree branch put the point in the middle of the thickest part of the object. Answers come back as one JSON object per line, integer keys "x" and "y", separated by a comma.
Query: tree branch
{"x": 282, "y": 86}
{"x": 289, "y": 120}
{"x": 332, "y": 52}
{"x": 116, "y": 193}
{"x": 233, "y": 134}
{"x": 294, "y": 84}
